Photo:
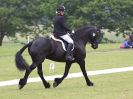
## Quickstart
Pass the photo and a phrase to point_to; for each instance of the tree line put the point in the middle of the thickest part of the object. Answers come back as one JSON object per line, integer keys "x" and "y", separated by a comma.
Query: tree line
{"x": 20, "y": 16}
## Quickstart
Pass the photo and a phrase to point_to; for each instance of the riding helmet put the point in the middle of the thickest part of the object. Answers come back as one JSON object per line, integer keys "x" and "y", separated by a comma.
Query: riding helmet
{"x": 60, "y": 8}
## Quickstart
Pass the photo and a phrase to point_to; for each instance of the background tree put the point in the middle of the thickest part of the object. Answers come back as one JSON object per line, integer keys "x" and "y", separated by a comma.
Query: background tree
{"x": 115, "y": 15}
{"x": 26, "y": 16}
{"x": 20, "y": 16}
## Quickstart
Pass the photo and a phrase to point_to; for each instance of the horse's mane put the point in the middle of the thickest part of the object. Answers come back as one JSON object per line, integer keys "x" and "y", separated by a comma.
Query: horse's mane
{"x": 79, "y": 30}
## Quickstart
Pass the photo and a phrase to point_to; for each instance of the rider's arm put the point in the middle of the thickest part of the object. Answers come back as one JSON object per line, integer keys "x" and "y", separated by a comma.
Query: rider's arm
{"x": 62, "y": 22}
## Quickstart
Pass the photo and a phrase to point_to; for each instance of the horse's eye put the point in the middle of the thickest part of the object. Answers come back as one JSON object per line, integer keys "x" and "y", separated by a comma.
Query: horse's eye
{"x": 98, "y": 30}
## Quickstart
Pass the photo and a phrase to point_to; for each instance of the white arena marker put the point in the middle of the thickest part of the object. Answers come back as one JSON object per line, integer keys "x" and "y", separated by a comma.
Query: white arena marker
{"x": 52, "y": 67}
{"x": 72, "y": 75}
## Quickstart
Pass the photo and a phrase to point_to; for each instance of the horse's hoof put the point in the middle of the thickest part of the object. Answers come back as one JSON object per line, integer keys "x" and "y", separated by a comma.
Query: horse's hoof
{"x": 55, "y": 84}
{"x": 22, "y": 83}
{"x": 90, "y": 84}
{"x": 20, "y": 86}
{"x": 48, "y": 85}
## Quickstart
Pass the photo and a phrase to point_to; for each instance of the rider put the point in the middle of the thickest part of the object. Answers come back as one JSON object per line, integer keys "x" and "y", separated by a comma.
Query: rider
{"x": 61, "y": 31}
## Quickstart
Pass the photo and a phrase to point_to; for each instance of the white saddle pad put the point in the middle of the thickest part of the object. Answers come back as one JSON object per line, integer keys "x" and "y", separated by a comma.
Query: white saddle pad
{"x": 56, "y": 39}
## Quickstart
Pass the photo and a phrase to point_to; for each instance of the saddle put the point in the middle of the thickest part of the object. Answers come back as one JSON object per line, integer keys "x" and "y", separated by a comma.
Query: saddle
{"x": 63, "y": 42}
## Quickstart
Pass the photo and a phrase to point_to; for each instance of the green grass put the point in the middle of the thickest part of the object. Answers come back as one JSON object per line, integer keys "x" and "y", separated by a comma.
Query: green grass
{"x": 110, "y": 86}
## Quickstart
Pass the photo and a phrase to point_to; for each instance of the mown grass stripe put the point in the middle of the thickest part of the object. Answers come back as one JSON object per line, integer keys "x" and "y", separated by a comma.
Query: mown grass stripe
{"x": 72, "y": 75}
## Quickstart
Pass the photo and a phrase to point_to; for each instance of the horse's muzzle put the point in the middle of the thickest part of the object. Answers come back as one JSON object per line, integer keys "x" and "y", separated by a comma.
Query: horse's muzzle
{"x": 94, "y": 45}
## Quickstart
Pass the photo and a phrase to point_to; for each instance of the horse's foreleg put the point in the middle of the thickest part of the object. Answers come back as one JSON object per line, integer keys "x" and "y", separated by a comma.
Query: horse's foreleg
{"x": 57, "y": 81}
{"x": 40, "y": 72}
{"x": 23, "y": 81}
{"x": 82, "y": 66}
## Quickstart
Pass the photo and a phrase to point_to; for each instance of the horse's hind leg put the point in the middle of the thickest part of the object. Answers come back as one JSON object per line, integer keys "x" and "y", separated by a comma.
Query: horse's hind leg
{"x": 23, "y": 81}
{"x": 57, "y": 81}
{"x": 40, "y": 72}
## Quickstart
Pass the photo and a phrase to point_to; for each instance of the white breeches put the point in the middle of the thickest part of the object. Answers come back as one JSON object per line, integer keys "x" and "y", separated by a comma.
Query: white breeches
{"x": 67, "y": 38}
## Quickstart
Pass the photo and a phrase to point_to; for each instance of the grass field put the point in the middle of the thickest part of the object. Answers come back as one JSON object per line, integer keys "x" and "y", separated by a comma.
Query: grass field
{"x": 110, "y": 86}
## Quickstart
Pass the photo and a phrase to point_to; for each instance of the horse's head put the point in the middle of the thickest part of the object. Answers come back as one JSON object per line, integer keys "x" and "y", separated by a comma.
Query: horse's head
{"x": 95, "y": 37}
{"x": 89, "y": 34}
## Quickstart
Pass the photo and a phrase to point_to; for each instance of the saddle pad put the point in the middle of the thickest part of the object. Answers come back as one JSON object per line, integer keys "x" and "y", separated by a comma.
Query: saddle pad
{"x": 62, "y": 43}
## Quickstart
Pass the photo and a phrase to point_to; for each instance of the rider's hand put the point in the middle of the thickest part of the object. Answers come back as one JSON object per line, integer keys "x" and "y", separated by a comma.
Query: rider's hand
{"x": 73, "y": 31}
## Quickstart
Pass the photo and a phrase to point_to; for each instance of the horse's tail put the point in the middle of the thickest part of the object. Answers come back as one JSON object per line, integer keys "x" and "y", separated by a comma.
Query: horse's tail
{"x": 21, "y": 64}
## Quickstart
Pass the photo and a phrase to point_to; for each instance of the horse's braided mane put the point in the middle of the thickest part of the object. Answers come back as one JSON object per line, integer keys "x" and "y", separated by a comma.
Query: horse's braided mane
{"x": 79, "y": 30}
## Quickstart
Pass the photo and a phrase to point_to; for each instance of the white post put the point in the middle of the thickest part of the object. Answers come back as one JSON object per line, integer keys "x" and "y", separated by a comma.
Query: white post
{"x": 52, "y": 67}
{"x": 28, "y": 39}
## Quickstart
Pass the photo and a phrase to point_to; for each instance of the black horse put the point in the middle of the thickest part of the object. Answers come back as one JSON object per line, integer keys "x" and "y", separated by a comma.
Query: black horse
{"x": 46, "y": 48}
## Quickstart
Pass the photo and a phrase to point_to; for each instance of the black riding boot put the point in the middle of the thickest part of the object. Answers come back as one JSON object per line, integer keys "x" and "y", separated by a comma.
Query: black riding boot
{"x": 69, "y": 56}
